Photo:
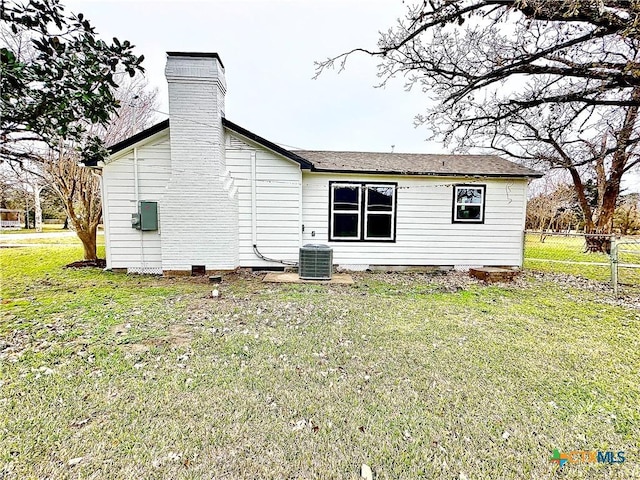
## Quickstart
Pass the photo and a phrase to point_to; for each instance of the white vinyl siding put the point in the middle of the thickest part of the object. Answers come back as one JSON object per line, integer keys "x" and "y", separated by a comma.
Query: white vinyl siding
{"x": 286, "y": 199}
{"x": 126, "y": 246}
{"x": 277, "y": 201}
{"x": 425, "y": 234}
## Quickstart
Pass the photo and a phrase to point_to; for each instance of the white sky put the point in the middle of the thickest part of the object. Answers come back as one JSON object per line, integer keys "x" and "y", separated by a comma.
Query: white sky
{"x": 268, "y": 49}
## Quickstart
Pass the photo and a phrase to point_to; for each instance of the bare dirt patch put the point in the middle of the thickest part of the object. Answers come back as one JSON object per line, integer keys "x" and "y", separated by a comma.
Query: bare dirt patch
{"x": 136, "y": 348}
{"x": 98, "y": 263}
{"x": 180, "y": 336}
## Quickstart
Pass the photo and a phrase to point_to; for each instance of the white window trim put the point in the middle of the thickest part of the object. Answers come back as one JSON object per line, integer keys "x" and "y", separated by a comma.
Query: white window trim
{"x": 346, "y": 212}
{"x": 391, "y": 213}
{"x": 456, "y": 204}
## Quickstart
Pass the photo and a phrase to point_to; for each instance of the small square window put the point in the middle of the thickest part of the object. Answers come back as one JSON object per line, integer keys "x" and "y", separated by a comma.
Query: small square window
{"x": 468, "y": 203}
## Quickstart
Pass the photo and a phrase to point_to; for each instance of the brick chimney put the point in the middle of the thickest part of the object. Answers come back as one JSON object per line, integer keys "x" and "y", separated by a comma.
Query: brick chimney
{"x": 199, "y": 218}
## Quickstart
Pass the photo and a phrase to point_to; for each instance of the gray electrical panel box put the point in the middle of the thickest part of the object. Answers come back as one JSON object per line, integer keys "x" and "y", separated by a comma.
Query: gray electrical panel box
{"x": 147, "y": 217}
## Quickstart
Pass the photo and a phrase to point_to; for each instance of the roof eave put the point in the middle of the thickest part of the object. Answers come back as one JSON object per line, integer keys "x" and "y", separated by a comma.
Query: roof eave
{"x": 131, "y": 141}
{"x": 428, "y": 174}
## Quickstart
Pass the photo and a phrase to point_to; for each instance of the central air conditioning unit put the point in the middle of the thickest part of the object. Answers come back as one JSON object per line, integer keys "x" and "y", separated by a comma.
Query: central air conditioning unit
{"x": 315, "y": 262}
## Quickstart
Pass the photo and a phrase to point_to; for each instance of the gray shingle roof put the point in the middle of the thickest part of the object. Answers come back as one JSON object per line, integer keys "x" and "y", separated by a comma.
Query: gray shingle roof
{"x": 368, "y": 162}
{"x": 415, "y": 164}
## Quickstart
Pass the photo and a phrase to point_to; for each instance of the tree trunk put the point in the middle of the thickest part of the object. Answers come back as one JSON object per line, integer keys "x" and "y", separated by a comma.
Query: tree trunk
{"x": 26, "y": 211}
{"x": 611, "y": 188}
{"x": 38, "y": 207}
{"x": 88, "y": 239}
{"x": 598, "y": 243}
{"x": 582, "y": 200}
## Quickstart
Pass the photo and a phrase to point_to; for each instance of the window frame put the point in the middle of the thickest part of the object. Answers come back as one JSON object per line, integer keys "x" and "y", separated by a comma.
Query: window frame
{"x": 332, "y": 211}
{"x": 482, "y": 204}
{"x": 363, "y": 211}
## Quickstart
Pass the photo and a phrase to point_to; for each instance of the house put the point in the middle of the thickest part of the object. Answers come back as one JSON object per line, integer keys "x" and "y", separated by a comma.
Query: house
{"x": 10, "y": 219}
{"x": 199, "y": 193}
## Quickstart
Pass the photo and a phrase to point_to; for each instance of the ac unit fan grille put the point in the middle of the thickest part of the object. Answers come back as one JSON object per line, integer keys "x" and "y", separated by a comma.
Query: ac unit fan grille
{"x": 315, "y": 262}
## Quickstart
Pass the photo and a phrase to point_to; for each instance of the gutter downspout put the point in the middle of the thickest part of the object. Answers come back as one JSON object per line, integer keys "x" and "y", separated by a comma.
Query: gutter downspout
{"x": 254, "y": 232}
{"x": 524, "y": 225}
{"x": 136, "y": 189}
{"x": 300, "y": 216}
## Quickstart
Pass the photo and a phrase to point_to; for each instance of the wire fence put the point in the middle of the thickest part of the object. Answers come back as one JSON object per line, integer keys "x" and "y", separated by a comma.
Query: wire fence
{"x": 604, "y": 258}
{"x": 626, "y": 265}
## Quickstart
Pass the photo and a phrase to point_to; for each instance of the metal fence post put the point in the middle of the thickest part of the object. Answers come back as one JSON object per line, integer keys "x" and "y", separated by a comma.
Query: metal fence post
{"x": 614, "y": 266}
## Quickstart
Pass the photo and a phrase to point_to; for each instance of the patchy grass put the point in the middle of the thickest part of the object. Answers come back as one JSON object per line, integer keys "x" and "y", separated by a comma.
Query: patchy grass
{"x": 600, "y": 273}
{"x": 629, "y": 263}
{"x": 116, "y": 376}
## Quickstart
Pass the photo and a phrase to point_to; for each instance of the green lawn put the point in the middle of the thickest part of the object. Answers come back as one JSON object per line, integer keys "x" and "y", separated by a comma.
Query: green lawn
{"x": 561, "y": 248}
{"x": 113, "y": 376}
{"x": 566, "y": 254}
{"x": 46, "y": 228}
{"x": 48, "y": 239}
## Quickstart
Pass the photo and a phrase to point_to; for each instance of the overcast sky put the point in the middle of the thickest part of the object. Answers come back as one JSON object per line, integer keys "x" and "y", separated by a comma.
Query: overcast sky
{"x": 268, "y": 49}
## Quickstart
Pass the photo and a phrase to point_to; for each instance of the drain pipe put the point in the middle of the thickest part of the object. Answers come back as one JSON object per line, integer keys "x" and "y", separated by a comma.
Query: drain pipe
{"x": 254, "y": 232}
{"x": 136, "y": 189}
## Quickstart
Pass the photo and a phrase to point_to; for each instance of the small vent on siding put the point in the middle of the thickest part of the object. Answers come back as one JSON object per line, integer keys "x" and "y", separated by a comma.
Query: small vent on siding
{"x": 197, "y": 270}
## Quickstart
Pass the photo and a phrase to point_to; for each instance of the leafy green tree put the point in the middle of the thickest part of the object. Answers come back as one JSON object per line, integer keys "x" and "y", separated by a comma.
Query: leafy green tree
{"x": 56, "y": 80}
{"x": 59, "y": 94}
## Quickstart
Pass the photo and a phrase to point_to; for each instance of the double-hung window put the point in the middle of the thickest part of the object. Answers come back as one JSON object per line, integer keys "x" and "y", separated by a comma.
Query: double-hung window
{"x": 362, "y": 211}
{"x": 346, "y": 211}
{"x": 468, "y": 203}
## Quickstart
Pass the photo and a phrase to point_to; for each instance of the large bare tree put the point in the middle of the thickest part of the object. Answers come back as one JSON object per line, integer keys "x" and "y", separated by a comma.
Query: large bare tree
{"x": 59, "y": 169}
{"x": 79, "y": 187}
{"x": 555, "y": 84}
